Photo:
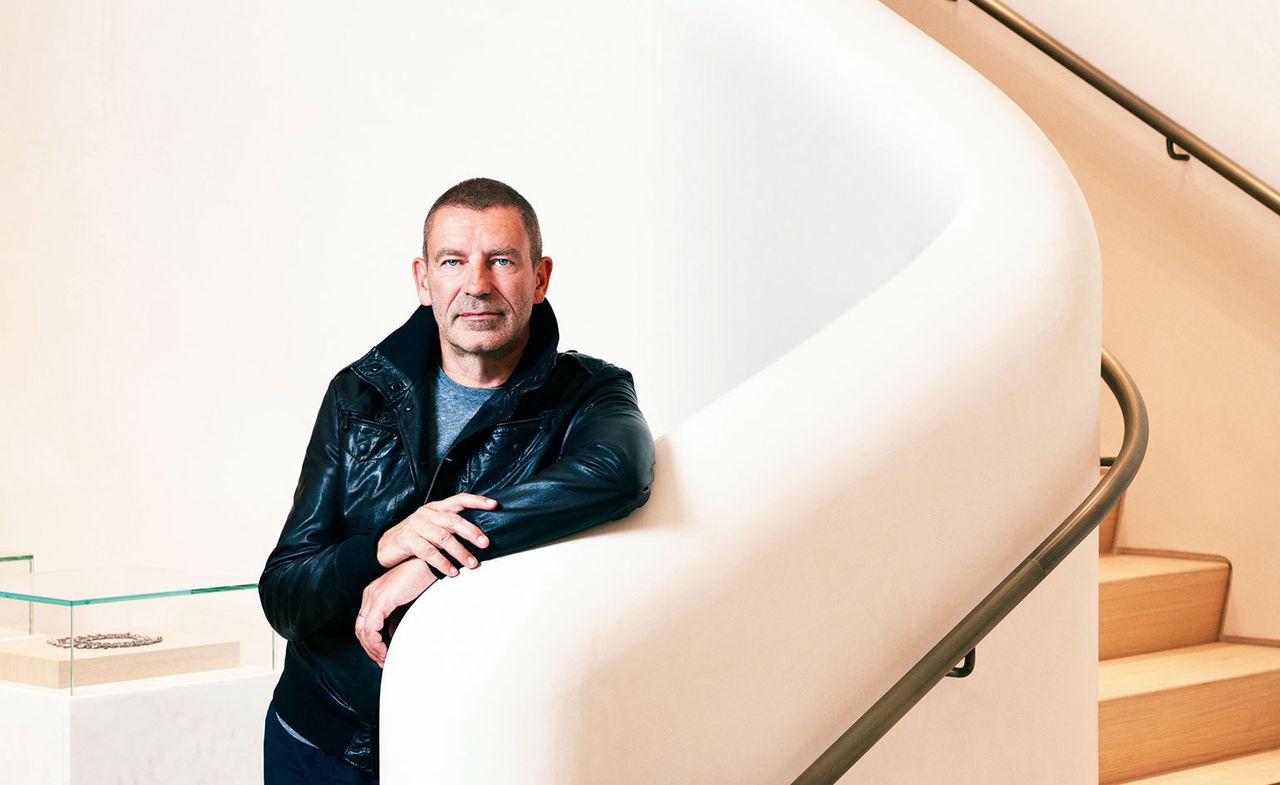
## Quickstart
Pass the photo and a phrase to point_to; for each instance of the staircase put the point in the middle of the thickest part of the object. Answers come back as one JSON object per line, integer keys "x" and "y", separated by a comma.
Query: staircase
{"x": 1176, "y": 705}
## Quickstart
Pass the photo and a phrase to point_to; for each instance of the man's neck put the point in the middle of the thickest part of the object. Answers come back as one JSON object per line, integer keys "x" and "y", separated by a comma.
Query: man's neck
{"x": 472, "y": 370}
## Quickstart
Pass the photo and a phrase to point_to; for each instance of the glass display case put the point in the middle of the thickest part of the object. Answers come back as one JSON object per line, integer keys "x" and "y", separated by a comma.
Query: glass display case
{"x": 76, "y": 629}
{"x": 15, "y": 563}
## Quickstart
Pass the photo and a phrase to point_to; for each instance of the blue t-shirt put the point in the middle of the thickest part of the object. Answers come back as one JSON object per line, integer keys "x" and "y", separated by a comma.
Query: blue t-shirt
{"x": 456, "y": 404}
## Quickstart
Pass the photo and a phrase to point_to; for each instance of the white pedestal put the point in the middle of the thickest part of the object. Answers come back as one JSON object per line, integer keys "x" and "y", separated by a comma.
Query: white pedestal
{"x": 179, "y": 730}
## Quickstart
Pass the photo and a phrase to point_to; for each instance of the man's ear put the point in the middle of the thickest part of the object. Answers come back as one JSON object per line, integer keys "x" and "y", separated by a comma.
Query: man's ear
{"x": 542, "y": 273}
{"x": 420, "y": 280}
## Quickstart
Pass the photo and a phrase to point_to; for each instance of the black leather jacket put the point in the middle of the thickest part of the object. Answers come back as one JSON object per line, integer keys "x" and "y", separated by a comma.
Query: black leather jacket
{"x": 562, "y": 446}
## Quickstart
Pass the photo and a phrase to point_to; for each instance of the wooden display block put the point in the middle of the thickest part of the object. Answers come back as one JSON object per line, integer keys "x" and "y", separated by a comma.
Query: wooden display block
{"x": 33, "y": 661}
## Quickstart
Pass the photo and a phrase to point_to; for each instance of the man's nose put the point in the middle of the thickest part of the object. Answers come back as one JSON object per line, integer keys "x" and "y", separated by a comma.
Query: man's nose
{"x": 479, "y": 278}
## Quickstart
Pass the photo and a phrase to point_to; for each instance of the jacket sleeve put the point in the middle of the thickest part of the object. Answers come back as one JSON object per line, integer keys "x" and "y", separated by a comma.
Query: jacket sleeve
{"x": 314, "y": 578}
{"x": 603, "y": 473}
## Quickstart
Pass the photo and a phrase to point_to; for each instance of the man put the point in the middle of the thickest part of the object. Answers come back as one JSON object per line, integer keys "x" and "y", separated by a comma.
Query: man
{"x": 464, "y": 435}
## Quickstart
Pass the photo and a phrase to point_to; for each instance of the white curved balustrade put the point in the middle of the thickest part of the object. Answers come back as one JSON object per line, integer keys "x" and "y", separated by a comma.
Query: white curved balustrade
{"x": 872, "y": 318}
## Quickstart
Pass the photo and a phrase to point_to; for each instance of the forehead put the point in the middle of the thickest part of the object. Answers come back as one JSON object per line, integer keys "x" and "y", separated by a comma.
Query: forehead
{"x": 462, "y": 228}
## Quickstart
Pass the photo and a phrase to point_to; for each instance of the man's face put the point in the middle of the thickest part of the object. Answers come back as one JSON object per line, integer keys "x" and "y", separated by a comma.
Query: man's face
{"x": 479, "y": 279}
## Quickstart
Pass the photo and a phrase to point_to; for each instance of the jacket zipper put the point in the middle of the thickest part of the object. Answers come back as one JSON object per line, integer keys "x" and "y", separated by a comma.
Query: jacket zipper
{"x": 347, "y": 417}
{"x": 434, "y": 475}
{"x": 446, "y": 457}
{"x": 496, "y": 426}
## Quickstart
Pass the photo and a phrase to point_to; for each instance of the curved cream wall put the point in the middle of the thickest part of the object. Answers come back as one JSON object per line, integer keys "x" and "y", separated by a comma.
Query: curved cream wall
{"x": 816, "y": 527}
{"x": 1192, "y": 272}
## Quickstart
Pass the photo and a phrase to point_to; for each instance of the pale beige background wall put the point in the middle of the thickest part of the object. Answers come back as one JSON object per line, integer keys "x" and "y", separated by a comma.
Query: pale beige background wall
{"x": 1191, "y": 298}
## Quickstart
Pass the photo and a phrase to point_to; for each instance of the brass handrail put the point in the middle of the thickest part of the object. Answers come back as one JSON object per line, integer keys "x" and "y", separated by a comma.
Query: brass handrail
{"x": 966, "y": 635}
{"x": 1173, "y": 132}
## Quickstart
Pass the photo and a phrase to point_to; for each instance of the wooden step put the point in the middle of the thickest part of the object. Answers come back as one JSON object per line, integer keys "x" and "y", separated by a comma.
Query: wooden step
{"x": 1261, "y": 768}
{"x": 1149, "y": 603}
{"x": 1107, "y": 528}
{"x": 1183, "y": 707}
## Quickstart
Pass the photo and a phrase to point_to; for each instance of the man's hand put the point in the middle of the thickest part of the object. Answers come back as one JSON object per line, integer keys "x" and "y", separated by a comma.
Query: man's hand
{"x": 429, "y": 531}
{"x": 403, "y": 584}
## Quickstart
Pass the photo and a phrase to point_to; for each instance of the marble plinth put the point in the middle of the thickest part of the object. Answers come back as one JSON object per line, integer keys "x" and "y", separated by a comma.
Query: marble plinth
{"x": 187, "y": 730}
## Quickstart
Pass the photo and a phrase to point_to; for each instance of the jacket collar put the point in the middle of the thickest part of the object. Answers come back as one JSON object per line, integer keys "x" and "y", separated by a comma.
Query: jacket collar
{"x": 412, "y": 352}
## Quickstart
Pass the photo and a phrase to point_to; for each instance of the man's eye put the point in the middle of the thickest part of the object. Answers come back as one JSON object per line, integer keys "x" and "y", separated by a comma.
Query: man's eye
{"x": 452, "y": 262}
{"x": 502, "y": 260}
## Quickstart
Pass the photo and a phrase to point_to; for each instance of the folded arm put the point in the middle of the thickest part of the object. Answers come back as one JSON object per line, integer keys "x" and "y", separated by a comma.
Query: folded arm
{"x": 603, "y": 473}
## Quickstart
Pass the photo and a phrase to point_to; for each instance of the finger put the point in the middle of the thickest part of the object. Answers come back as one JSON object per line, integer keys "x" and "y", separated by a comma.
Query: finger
{"x": 374, "y": 647}
{"x": 440, "y": 528}
{"x": 370, "y": 635}
{"x": 367, "y": 643}
{"x": 378, "y": 649}
{"x": 461, "y": 501}
{"x": 379, "y": 645}
{"x": 363, "y": 622}
{"x": 470, "y": 531}
{"x": 362, "y": 635}
{"x": 427, "y": 551}
{"x": 456, "y": 523}
{"x": 444, "y": 540}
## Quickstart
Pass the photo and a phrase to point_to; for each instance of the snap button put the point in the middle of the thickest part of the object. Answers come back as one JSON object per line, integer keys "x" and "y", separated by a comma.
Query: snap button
{"x": 395, "y": 386}
{"x": 408, "y": 408}
{"x": 375, "y": 368}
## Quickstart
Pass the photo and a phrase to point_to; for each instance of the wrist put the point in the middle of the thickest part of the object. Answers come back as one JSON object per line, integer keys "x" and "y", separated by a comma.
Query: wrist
{"x": 420, "y": 572}
{"x": 386, "y": 553}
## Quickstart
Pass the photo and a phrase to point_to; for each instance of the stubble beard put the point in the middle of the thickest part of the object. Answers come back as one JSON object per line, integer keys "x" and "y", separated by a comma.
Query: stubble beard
{"x": 466, "y": 339}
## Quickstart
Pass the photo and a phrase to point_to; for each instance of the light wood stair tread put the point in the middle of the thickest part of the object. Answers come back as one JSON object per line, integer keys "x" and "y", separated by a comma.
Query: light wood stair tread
{"x": 1183, "y": 667}
{"x": 1152, "y": 603}
{"x": 1262, "y": 768}
{"x": 1114, "y": 567}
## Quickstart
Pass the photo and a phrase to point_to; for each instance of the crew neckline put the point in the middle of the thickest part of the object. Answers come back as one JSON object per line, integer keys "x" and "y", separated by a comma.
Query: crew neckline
{"x": 449, "y": 380}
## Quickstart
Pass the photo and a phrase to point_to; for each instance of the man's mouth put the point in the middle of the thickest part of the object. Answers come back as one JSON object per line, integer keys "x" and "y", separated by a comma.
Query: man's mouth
{"x": 480, "y": 314}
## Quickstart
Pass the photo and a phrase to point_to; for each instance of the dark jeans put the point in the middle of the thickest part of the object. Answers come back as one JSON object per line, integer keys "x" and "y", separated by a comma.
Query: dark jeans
{"x": 287, "y": 761}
